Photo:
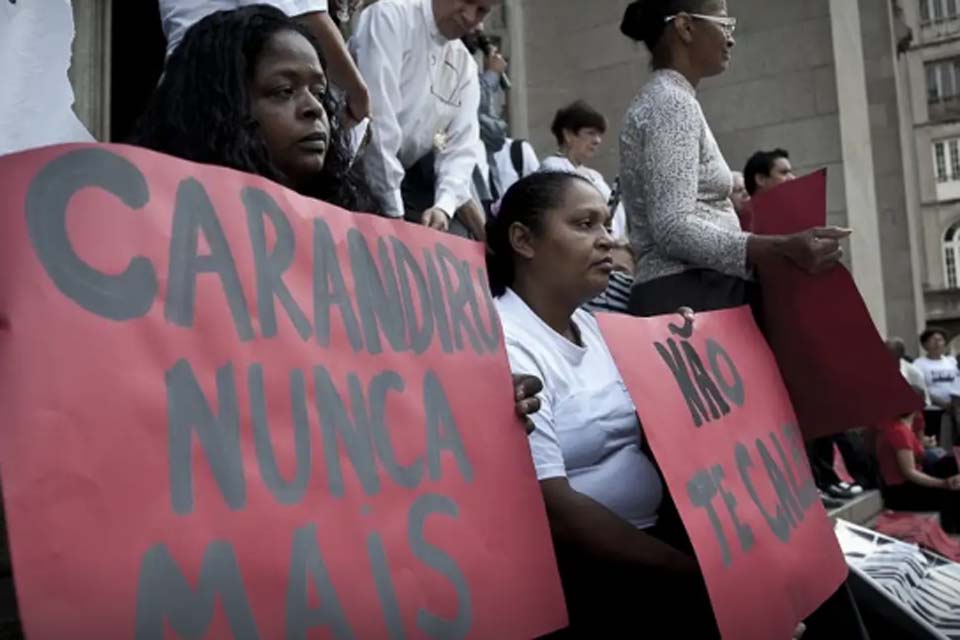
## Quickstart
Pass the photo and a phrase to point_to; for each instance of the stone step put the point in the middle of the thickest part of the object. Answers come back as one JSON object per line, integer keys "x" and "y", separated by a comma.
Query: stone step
{"x": 860, "y": 510}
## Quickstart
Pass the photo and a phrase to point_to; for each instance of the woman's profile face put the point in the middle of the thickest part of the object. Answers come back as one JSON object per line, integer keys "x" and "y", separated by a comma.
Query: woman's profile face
{"x": 713, "y": 42}
{"x": 573, "y": 250}
{"x": 583, "y": 144}
{"x": 286, "y": 93}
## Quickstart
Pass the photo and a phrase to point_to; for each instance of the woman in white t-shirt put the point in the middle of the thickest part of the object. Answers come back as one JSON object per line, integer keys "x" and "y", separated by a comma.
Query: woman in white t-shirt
{"x": 549, "y": 252}
{"x": 941, "y": 375}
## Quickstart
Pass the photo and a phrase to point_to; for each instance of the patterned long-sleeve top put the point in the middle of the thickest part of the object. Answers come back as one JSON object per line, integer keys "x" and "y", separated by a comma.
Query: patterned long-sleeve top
{"x": 677, "y": 185}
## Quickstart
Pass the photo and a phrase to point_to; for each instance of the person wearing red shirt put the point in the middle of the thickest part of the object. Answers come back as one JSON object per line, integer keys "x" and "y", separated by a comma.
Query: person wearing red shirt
{"x": 906, "y": 487}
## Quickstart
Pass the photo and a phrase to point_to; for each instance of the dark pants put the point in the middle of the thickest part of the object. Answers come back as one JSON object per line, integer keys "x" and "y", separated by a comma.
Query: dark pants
{"x": 838, "y": 617}
{"x": 609, "y": 601}
{"x": 914, "y": 497}
{"x": 855, "y": 457}
{"x": 820, "y": 452}
{"x": 700, "y": 289}
{"x": 932, "y": 419}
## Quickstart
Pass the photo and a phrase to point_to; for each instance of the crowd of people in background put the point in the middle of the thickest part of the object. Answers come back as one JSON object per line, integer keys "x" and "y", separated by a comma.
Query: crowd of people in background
{"x": 401, "y": 120}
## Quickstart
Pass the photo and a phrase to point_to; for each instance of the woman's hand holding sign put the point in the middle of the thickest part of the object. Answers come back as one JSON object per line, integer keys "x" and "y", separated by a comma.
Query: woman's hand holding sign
{"x": 525, "y": 390}
{"x": 815, "y": 250}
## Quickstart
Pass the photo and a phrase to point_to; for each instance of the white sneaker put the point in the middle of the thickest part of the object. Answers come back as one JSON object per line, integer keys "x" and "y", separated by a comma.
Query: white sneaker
{"x": 854, "y": 489}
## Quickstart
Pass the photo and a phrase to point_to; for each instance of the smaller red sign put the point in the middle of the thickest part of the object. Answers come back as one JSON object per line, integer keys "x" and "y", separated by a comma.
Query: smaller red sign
{"x": 721, "y": 426}
{"x": 834, "y": 363}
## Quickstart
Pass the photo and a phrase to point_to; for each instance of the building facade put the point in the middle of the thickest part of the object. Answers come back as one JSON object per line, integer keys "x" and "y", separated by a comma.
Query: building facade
{"x": 821, "y": 78}
{"x": 869, "y": 89}
{"x": 930, "y": 65}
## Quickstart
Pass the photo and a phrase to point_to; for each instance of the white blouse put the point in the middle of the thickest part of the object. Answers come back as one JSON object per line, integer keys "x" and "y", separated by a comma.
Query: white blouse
{"x": 677, "y": 185}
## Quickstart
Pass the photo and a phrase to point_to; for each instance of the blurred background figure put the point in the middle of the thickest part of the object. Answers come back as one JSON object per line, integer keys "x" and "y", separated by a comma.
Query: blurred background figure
{"x": 767, "y": 169}
{"x": 579, "y": 130}
{"x": 508, "y": 159}
{"x": 740, "y": 198}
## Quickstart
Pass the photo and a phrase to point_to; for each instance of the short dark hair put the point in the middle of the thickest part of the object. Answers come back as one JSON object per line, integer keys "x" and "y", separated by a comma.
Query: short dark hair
{"x": 525, "y": 202}
{"x": 646, "y": 20}
{"x": 929, "y": 332}
{"x": 201, "y": 109}
{"x": 576, "y": 116}
{"x": 761, "y": 163}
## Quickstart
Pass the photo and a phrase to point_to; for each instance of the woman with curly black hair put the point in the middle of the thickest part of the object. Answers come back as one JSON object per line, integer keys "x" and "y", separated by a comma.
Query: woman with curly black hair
{"x": 246, "y": 89}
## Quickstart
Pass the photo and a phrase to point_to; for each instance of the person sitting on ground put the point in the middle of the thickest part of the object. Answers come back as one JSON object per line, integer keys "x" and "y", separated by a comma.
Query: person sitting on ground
{"x": 917, "y": 382}
{"x": 247, "y": 89}
{"x": 767, "y": 169}
{"x": 906, "y": 486}
{"x": 549, "y": 252}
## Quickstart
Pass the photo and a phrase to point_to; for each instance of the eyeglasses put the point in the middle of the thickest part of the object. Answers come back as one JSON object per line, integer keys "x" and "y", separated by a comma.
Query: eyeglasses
{"x": 727, "y": 24}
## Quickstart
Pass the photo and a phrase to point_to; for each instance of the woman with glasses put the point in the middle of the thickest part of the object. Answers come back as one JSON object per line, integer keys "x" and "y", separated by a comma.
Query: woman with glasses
{"x": 690, "y": 248}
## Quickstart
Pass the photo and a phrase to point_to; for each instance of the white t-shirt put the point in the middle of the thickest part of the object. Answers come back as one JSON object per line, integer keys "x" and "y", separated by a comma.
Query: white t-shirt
{"x": 562, "y": 163}
{"x": 587, "y": 428}
{"x": 504, "y": 163}
{"x": 941, "y": 376}
{"x": 36, "y": 101}
{"x": 178, "y": 16}
{"x": 914, "y": 378}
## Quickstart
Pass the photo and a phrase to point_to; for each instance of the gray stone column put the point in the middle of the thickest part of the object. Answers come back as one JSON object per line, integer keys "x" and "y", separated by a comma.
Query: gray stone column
{"x": 911, "y": 175}
{"x": 517, "y": 100}
{"x": 90, "y": 69}
{"x": 857, "y": 147}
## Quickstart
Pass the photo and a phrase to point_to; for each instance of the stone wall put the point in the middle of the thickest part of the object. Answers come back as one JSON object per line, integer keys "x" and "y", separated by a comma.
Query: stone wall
{"x": 780, "y": 91}
{"x": 898, "y": 280}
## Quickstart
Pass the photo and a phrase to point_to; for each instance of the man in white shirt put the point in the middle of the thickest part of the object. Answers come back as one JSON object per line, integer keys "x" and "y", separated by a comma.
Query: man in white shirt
{"x": 424, "y": 92}
{"x": 941, "y": 375}
{"x": 179, "y": 15}
{"x": 36, "y": 102}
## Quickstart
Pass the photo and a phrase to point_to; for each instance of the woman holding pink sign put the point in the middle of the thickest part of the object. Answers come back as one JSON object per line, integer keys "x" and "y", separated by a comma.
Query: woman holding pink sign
{"x": 549, "y": 252}
{"x": 677, "y": 186}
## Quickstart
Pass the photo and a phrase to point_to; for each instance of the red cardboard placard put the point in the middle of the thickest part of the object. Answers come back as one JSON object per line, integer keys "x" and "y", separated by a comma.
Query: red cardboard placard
{"x": 835, "y": 365}
{"x": 231, "y": 411}
{"x": 721, "y": 427}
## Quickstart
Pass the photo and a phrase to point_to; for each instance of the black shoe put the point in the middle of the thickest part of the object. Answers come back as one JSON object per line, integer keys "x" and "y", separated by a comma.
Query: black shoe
{"x": 830, "y": 503}
{"x": 837, "y": 491}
